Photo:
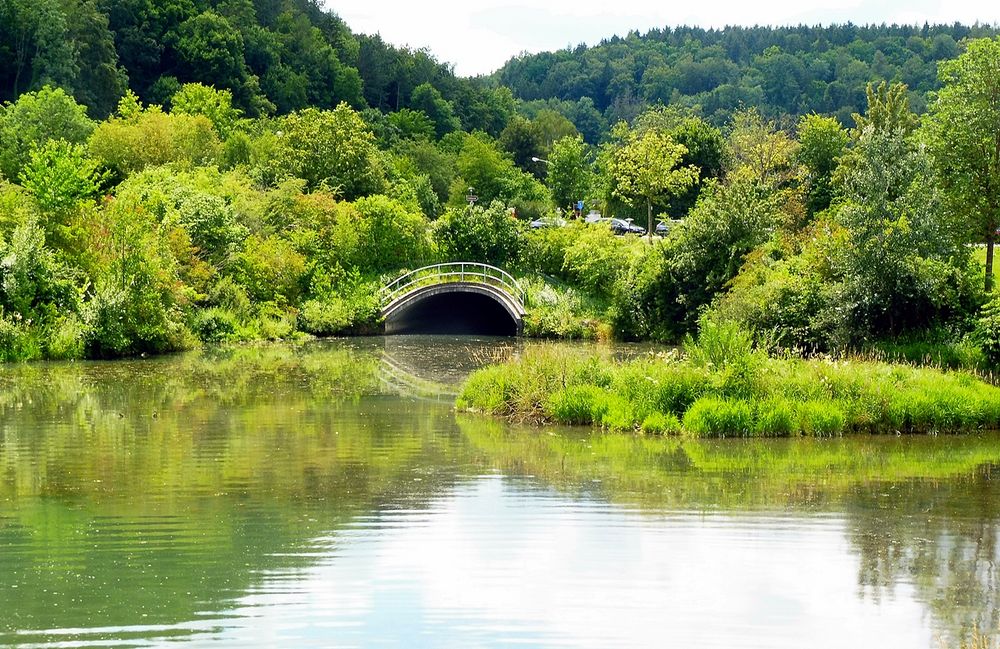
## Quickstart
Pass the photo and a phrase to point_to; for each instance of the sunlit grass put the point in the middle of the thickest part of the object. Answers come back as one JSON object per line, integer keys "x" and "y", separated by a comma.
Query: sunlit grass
{"x": 748, "y": 395}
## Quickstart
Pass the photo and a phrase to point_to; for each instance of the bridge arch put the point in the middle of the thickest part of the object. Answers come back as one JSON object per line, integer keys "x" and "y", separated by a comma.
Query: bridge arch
{"x": 454, "y": 298}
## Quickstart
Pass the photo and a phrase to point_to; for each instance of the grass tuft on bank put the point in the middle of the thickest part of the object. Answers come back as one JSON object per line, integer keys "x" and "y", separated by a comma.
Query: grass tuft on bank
{"x": 723, "y": 387}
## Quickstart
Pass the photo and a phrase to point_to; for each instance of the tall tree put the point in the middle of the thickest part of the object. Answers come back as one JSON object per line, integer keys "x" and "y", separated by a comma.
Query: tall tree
{"x": 822, "y": 140}
{"x": 964, "y": 133}
{"x": 644, "y": 167}
{"x": 569, "y": 174}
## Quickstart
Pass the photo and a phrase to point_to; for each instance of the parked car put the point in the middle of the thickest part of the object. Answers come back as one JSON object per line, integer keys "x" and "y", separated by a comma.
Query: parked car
{"x": 663, "y": 227}
{"x": 625, "y": 226}
{"x": 548, "y": 222}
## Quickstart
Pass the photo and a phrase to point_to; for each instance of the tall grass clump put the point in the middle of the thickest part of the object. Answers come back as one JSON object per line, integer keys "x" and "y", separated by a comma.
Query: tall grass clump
{"x": 714, "y": 417}
{"x": 726, "y": 387}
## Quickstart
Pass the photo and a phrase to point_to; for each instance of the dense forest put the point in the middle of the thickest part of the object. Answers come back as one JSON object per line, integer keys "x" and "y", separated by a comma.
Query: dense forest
{"x": 781, "y": 71}
{"x": 274, "y": 56}
{"x": 194, "y": 171}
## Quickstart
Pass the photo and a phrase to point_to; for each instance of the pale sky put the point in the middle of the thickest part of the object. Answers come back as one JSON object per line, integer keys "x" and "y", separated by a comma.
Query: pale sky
{"x": 479, "y": 36}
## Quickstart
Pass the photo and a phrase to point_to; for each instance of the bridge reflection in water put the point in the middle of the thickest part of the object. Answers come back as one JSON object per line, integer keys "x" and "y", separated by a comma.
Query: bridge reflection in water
{"x": 459, "y": 298}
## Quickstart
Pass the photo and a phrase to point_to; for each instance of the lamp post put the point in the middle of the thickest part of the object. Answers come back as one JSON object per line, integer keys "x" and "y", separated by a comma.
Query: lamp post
{"x": 534, "y": 159}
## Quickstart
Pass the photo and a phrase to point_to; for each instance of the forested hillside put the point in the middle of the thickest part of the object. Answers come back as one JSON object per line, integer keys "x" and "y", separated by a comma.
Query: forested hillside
{"x": 273, "y": 55}
{"x": 182, "y": 172}
{"x": 781, "y": 71}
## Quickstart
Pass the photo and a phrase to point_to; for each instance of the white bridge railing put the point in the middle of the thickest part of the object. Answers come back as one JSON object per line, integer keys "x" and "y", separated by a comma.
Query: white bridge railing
{"x": 460, "y": 271}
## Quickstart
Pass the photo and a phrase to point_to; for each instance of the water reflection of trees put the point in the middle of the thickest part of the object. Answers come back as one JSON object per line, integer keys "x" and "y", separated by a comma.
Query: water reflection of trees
{"x": 152, "y": 491}
{"x": 919, "y": 512}
{"x": 167, "y": 487}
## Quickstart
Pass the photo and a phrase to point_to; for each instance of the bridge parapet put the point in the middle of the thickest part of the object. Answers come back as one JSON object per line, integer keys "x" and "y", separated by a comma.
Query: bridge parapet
{"x": 461, "y": 272}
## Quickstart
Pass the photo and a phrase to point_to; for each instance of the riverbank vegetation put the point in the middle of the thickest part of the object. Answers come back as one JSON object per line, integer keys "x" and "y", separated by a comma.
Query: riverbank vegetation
{"x": 723, "y": 386}
{"x": 264, "y": 202}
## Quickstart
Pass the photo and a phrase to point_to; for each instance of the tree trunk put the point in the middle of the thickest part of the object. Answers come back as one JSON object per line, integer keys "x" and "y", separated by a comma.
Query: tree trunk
{"x": 990, "y": 240}
{"x": 649, "y": 219}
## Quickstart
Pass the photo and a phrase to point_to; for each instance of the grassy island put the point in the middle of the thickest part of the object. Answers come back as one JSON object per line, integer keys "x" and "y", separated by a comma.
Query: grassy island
{"x": 722, "y": 386}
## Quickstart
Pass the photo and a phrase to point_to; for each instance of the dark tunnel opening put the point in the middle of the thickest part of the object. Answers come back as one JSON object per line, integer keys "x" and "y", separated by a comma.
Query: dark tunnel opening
{"x": 456, "y": 314}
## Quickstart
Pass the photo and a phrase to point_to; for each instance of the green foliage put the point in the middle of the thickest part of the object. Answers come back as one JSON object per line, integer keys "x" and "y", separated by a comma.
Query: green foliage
{"x": 705, "y": 144}
{"x": 569, "y": 176}
{"x": 657, "y": 423}
{"x": 595, "y": 259}
{"x": 562, "y": 312}
{"x": 216, "y": 105}
{"x": 888, "y": 110}
{"x": 820, "y": 419}
{"x": 643, "y": 168}
{"x": 579, "y": 405}
{"x": 963, "y": 130}
{"x": 484, "y": 171}
{"x": 34, "y": 284}
{"x": 209, "y": 49}
{"x": 59, "y": 175}
{"x": 329, "y": 149}
{"x": 794, "y": 70}
{"x": 490, "y": 235}
{"x": 428, "y": 100}
{"x": 667, "y": 289}
{"x": 34, "y": 119}
{"x": 18, "y": 340}
{"x": 271, "y": 270}
{"x": 822, "y": 141}
{"x": 137, "y": 302}
{"x": 904, "y": 262}
{"x": 411, "y": 124}
{"x": 987, "y": 331}
{"x": 135, "y": 141}
{"x": 713, "y": 417}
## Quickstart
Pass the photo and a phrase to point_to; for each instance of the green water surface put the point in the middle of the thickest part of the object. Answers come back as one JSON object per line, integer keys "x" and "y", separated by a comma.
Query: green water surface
{"x": 328, "y": 494}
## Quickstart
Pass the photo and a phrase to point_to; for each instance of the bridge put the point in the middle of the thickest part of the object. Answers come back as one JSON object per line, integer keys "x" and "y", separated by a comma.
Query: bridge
{"x": 454, "y": 298}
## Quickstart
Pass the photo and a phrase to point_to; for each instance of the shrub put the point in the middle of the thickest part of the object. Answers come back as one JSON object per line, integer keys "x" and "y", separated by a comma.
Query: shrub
{"x": 489, "y": 235}
{"x": 151, "y": 138}
{"x": 271, "y": 270}
{"x": 18, "y": 340}
{"x": 215, "y": 325}
{"x": 331, "y": 149}
{"x": 66, "y": 338}
{"x": 390, "y": 236}
{"x": 34, "y": 119}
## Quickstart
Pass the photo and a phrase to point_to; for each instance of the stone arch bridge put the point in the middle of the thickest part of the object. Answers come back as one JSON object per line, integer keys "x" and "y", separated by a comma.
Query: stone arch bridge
{"x": 461, "y": 298}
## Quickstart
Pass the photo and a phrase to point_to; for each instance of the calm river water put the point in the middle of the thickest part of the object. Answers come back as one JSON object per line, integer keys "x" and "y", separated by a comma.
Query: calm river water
{"x": 328, "y": 495}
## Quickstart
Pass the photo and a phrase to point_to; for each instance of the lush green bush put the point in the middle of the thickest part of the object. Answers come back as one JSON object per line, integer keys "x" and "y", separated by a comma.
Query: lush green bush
{"x": 271, "y": 270}
{"x": 34, "y": 119}
{"x": 390, "y": 236}
{"x": 138, "y": 302}
{"x": 332, "y": 149}
{"x": 579, "y": 404}
{"x": 135, "y": 141}
{"x": 490, "y": 235}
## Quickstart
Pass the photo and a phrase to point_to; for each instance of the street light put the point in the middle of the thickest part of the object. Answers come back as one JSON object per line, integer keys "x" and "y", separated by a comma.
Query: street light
{"x": 534, "y": 159}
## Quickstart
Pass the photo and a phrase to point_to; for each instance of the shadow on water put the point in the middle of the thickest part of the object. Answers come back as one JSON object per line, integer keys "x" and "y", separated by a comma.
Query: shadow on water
{"x": 144, "y": 499}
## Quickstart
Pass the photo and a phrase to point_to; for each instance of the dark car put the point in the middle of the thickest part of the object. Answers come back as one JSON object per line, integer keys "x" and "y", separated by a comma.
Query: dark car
{"x": 625, "y": 226}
